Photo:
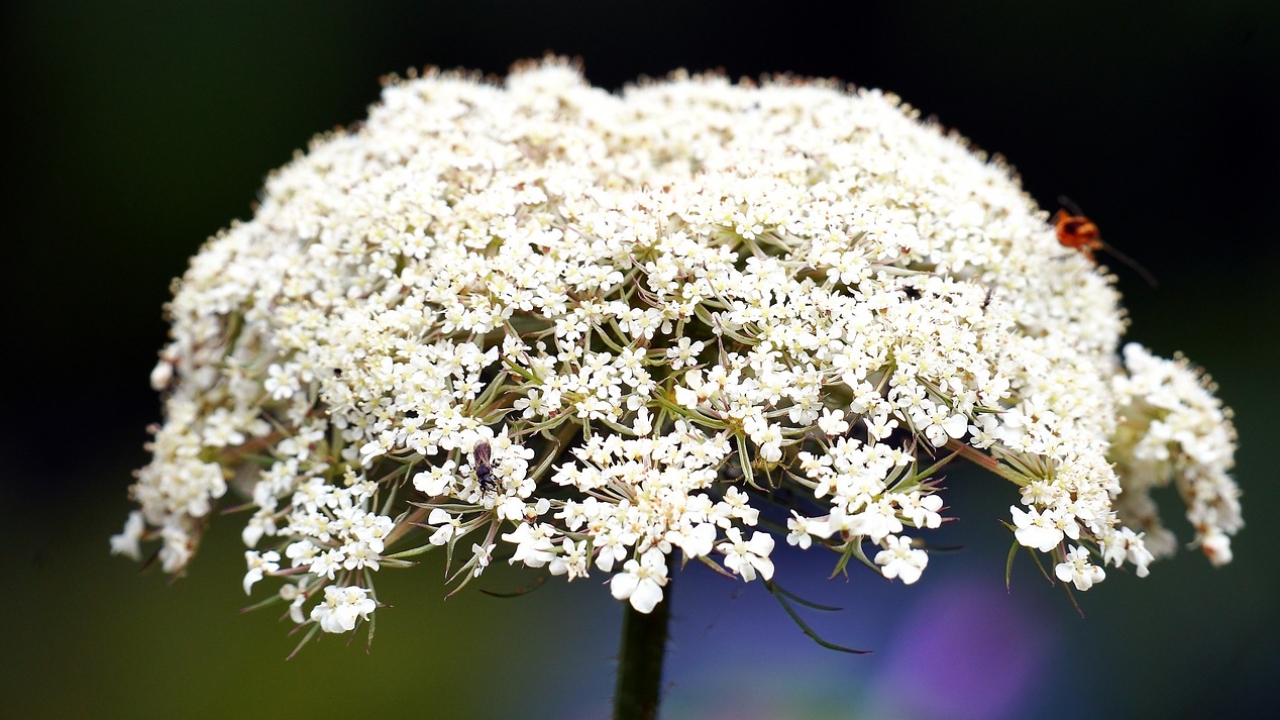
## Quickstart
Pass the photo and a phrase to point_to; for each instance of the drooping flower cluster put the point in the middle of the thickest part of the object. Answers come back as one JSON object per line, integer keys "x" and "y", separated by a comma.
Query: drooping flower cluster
{"x": 598, "y": 333}
{"x": 1172, "y": 429}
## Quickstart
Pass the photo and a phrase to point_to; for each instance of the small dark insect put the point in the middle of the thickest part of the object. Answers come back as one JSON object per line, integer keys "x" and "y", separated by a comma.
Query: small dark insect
{"x": 986, "y": 300}
{"x": 484, "y": 471}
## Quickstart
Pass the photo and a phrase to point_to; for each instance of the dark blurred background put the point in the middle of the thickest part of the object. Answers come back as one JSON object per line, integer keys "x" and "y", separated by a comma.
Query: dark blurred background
{"x": 134, "y": 131}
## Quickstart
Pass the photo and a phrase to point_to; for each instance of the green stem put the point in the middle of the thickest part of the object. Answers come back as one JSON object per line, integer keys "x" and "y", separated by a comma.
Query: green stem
{"x": 644, "y": 640}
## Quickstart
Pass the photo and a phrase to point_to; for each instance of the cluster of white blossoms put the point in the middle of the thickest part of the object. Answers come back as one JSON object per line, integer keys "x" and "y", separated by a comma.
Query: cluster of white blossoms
{"x": 542, "y": 323}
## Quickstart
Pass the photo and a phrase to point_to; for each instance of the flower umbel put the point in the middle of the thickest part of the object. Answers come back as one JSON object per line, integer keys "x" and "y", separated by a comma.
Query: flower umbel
{"x": 541, "y": 323}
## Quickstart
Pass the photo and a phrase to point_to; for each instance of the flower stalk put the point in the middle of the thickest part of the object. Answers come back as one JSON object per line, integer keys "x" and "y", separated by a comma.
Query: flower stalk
{"x": 644, "y": 642}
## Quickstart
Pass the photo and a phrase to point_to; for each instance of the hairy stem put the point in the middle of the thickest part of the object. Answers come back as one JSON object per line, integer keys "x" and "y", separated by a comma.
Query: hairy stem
{"x": 989, "y": 463}
{"x": 644, "y": 640}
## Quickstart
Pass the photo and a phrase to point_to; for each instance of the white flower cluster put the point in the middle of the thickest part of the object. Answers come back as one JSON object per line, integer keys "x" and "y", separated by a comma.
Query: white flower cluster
{"x": 1174, "y": 430}
{"x": 583, "y": 331}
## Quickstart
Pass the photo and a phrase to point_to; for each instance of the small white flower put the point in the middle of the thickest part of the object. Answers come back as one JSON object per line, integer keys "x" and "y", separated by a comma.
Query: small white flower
{"x": 803, "y": 530}
{"x": 921, "y": 510}
{"x": 1217, "y": 547}
{"x": 684, "y": 353}
{"x": 695, "y": 540}
{"x": 879, "y": 427}
{"x": 832, "y": 423}
{"x": 877, "y": 521}
{"x": 534, "y": 546}
{"x": 572, "y": 561}
{"x": 177, "y": 548}
{"x": 610, "y": 548}
{"x": 341, "y": 608}
{"x": 161, "y": 375}
{"x": 279, "y": 383}
{"x": 126, "y": 543}
{"x": 482, "y": 555}
{"x": 262, "y": 523}
{"x": 259, "y": 565}
{"x": 448, "y": 526}
{"x": 939, "y": 423}
{"x": 434, "y": 481}
{"x": 1128, "y": 545}
{"x": 328, "y": 563}
{"x": 1077, "y": 569}
{"x": 900, "y": 560}
{"x": 296, "y": 596}
{"x": 746, "y": 558}
{"x": 641, "y": 582}
{"x": 643, "y": 424}
{"x": 1036, "y": 529}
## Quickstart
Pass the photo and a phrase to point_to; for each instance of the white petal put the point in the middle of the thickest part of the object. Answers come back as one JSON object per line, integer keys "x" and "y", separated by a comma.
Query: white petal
{"x": 646, "y": 597}
{"x": 623, "y": 585}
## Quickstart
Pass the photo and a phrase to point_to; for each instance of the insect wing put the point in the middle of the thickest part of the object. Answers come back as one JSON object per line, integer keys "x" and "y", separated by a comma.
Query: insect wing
{"x": 484, "y": 471}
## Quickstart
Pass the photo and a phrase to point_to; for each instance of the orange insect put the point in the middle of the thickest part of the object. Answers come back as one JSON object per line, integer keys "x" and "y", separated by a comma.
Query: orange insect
{"x": 1078, "y": 232}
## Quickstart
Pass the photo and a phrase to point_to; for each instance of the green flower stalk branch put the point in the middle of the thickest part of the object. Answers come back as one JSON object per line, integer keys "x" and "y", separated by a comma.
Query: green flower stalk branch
{"x": 538, "y": 323}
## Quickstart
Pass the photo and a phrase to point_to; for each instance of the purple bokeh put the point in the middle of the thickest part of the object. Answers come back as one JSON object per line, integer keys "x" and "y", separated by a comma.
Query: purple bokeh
{"x": 965, "y": 650}
{"x": 952, "y": 646}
